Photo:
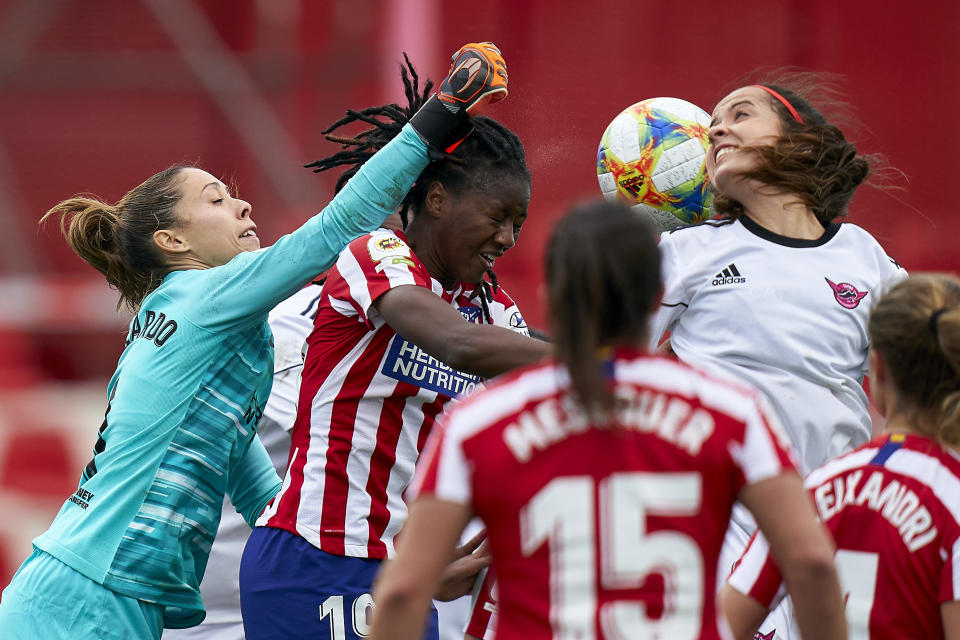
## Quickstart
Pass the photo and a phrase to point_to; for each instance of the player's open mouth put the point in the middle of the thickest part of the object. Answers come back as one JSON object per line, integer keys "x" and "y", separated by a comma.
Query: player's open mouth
{"x": 722, "y": 151}
{"x": 488, "y": 258}
{"x": 248, "y": 233}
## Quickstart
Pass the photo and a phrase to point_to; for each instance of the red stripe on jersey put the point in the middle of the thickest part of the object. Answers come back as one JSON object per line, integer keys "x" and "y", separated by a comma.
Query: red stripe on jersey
{"x": 430, "y": 413}
{"x": 315, "y": 372}
{"x": 340, "y": 443}
{"x": 484, "y": 606}
{"x": 381, "y": 464}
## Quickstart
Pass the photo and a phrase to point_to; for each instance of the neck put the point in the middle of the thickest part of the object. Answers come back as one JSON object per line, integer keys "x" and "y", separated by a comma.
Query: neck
{"x": 784, "y": 215}
{"x": 915, "y": 425}
{"x": 420, "y": 241}
{"x": 185, "y": 263}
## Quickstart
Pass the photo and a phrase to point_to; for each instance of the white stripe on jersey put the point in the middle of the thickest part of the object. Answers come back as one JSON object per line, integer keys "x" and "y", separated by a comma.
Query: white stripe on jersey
{"x": 955, "y": 566}
{"x": 930, "y": 472}
{"x": 496, "y": 403}
{"x": 271, "y": 508}
{"x": 837, "y": 466}
{"x": 750, "y": 565}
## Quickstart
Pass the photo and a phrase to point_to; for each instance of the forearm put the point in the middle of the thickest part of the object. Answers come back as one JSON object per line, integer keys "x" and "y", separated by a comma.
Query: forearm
{"x": 488, "y": 351}
{"x": 399, "y": 615}
{"x": 817, "y": 601}
{"x": 253, "y": 483}
{"x": 743, "y": 614}
{"x": 376, "y": 190}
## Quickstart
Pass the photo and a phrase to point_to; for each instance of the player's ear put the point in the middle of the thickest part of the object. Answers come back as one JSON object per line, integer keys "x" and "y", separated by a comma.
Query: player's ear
{"x": 171, "y": 241}
{"x": 437, "y": 200}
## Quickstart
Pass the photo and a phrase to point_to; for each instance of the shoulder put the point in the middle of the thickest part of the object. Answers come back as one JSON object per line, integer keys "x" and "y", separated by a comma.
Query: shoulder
{"x": 301, "y": 304}
{"x": 505, "y": 313}
{"x": 699, "y": 232}
{"x": 686, "y": 244}
{"x": 858, "y": 243}
{"x": 188, "y": 291}
{"x": 859, "y": 457}
{"x": 381, "y": 256}
{"x": 292, "y": 321}
{"x": 502, "y": 297}
{"x": 505, "y": 396}
{"x": 726, "y": 395}
{"x": 379, "y": 245}
{"x": 852, "y": 234}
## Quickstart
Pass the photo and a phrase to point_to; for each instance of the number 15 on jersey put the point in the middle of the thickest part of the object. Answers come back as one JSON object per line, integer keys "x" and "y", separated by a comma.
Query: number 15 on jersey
{"x": 580, "y": 518}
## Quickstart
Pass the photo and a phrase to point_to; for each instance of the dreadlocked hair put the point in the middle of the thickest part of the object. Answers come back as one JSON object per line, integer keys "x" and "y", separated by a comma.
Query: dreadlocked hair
{"x": 491, "y": 151}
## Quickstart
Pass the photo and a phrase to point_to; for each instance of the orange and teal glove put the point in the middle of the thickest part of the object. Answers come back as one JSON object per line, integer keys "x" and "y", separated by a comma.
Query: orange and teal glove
{"x": 477, "y": 78}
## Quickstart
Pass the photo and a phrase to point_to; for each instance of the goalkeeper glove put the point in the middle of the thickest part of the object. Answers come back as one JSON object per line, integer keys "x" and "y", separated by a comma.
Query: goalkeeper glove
{"x": 477, "y": 78}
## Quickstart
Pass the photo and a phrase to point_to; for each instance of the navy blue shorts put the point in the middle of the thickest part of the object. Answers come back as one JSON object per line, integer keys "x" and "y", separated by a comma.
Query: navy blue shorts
{"x": 290, "y": 589}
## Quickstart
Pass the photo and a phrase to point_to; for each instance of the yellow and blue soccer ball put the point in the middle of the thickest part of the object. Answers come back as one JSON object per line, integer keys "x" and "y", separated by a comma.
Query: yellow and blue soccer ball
{"x": 652, "y": 157}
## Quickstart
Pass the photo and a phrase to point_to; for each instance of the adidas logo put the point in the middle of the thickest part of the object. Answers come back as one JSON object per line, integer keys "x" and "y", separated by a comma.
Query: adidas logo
{"x": 730, "y": 275}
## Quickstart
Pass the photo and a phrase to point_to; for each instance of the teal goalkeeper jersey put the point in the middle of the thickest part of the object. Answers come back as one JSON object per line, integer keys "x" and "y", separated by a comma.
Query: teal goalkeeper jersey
{"x": 186, "y": 398}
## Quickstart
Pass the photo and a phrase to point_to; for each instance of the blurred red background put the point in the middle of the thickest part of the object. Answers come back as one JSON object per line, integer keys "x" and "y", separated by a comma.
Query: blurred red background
{"x": 95, "y": 97}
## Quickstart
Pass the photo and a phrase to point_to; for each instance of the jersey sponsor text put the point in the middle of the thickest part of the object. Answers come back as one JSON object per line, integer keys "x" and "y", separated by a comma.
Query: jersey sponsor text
{"x": 407, "y": 362}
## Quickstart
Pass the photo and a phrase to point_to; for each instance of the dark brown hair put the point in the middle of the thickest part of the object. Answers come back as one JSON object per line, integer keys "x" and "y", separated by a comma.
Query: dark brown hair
{"x": 915, "y": 328}
{"x": 603, "y": 278}
{"x": 117, "y": 240}
{"x": 812, "y": 159}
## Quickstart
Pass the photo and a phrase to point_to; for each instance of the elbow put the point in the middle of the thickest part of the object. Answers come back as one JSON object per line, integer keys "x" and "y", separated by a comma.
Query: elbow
{"x": 462, "y": 351}
{"x": 462, "y": 356}
{"x": 811, "y": 567}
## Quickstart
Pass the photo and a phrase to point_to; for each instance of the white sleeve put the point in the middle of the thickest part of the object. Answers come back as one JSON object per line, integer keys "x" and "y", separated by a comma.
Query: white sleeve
{"x": 291, "y": 322}
{"x": 756, "y": 574}
{"x": 443, "y": 469}
{"x": 675, "y": 298}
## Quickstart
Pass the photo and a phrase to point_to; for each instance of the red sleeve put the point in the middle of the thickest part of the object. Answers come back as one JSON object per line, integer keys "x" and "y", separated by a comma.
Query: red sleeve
{"x": 372, "y": 265}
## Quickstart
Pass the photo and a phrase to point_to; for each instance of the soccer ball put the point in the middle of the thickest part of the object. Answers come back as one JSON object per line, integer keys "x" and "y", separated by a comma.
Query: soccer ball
{"x": 652, "y": 157}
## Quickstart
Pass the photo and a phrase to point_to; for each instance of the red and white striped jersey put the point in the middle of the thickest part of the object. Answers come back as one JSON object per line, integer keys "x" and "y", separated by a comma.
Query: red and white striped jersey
{"x": 482, "y": 622}
{"x": 368, "y": 399}
{"x": 605, "y": 532}
{"x": 893, "y": 508}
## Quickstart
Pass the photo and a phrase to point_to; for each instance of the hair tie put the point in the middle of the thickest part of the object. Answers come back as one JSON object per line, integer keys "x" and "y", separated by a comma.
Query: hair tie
{"x": 783, "y": 101}
{"x": 934, "y": 317}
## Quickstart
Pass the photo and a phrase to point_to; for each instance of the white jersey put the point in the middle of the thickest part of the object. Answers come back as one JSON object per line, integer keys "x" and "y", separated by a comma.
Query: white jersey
{"x": 788, "y": 315}
{"x": 291, "y": 322}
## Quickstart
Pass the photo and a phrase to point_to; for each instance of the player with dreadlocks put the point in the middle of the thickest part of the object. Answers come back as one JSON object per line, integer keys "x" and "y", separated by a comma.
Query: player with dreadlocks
{"x": 489, "y": 143}
{"x": 404, "y": 325}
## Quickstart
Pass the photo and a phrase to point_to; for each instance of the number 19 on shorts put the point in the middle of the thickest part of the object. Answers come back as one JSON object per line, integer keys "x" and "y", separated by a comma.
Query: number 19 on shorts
{"x": 361, "y": 613}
